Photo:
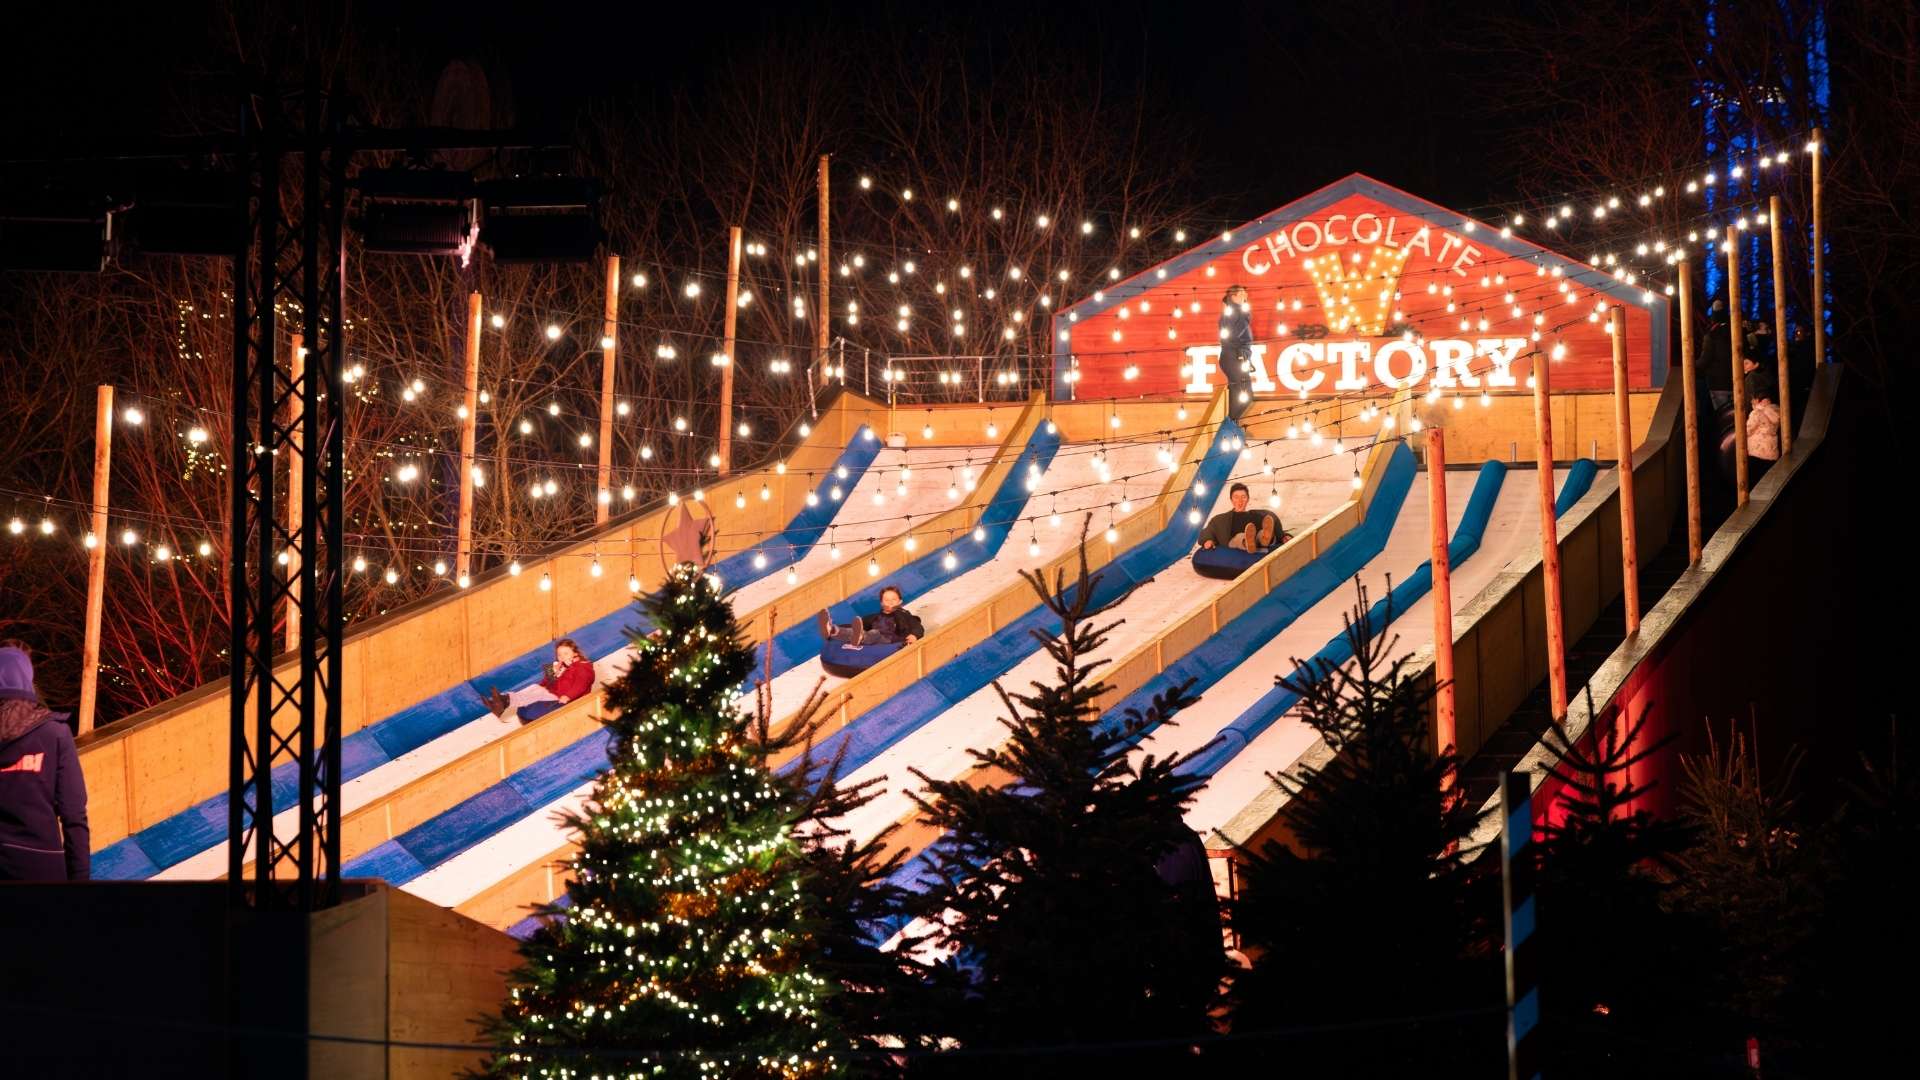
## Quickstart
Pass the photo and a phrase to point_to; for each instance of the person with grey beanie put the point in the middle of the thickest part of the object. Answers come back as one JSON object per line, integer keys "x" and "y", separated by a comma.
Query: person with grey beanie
{"x": 43, "y": 794}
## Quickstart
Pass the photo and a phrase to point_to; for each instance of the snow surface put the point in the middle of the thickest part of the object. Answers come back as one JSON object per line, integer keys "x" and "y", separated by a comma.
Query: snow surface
{"x": 1512, "y": 525}
{"x": 926, "y": 494}
{"x": 1311, "y": 481}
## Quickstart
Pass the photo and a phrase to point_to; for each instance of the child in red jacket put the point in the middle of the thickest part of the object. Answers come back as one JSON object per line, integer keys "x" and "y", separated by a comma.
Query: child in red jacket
{"x": 568, "y": 678}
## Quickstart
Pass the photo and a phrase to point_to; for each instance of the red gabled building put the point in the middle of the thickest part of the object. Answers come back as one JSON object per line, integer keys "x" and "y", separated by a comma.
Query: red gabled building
{"x": 1355, "y": 289}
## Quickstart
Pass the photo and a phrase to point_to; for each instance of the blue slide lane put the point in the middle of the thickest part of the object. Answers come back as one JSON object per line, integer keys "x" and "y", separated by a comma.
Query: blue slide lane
{"x": 801, "y": 642}
{"x": 432, "y": 842}
{"x": 204, "y": 825}
{"x": 1241, "y": 638}
{"x": 1274, "y": 704}
{"x": 886, "y": 724}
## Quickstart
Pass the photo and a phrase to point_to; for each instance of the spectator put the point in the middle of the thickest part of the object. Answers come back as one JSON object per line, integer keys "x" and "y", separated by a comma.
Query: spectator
{"x": 43, "y": 794}
{"x": 1799, "y": 366}
{"x": 894, "y": 625}
{"x": 1236, "y": 348}
{"x": 568, "y": 678}
{"x": 1763, "y": 425}
{"x": 1715, "y": 371}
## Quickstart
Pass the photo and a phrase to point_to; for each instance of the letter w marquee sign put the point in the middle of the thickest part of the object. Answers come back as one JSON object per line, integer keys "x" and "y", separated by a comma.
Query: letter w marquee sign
{"x": 1362, "y": 288}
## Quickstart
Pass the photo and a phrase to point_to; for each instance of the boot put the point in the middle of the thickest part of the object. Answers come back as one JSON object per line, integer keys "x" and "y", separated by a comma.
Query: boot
{"x": 496, "y": 702}
{"x": 859, "y": 630}
{"x": 825, "y": 622}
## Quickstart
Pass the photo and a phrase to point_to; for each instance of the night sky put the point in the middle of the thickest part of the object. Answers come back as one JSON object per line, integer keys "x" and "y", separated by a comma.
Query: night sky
{"x": 1271, "y": 99}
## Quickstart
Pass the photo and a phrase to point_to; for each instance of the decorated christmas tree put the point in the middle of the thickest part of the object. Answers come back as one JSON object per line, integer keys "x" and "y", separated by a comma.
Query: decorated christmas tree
{"x": 690, "y": 940}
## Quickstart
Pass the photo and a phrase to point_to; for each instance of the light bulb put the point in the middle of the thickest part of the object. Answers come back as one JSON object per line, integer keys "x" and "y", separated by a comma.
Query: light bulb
{"x": 873, "y": 566}
{"x": 1193, "y": 517}
{"x": 206, "y": 549}
{"x": 979, "y": 535}
{"x": 162, "y": 553}
{"x": 913, "y": 542}
{"x": 834, "y": 551}
{"x": 1126, "y": 506}
{"x": 952, "y": 492}
{"x": 926, "y": 432}
{"x": 359, "y": 563}
{"x": 546, "y": 582}
{"x": 464, "y": 581}
{"x": 1113, "y": 534}
{"x": 950, "y": 561}
{"x": 513, "y": 568}
{"x": 16, "y": 526}
{"x": 740, "y": 500}
{"x": 1033, "y": 547}
{"x": 792, "y": 576}
{"x": 759, "y": 560}
{"x": 90, "y": 541}
{"x": 1357, "y": 482}
{"x": 595, "y": 569}
{"x": 440, "y": 568}
{"x": 392, "y": 575}
{"x": 129, "y": 538}
{"x": 1273, "y": 500}
{"x": 633, "y": 584}
{"x": 134, "y": 416}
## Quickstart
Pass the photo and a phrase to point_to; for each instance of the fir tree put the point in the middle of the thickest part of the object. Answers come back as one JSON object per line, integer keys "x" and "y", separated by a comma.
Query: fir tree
{"x": 1044, "y": 892}
{"x": 1368, "y": 918}
{"x": 1621, "y": 974}
{"x": 1756, "y": 878}
{"x": 691, "y": 945}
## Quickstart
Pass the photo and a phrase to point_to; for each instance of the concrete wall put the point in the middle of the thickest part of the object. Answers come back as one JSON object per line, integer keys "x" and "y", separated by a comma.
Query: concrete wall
{"x": 164, "y": 979}
{"x": 1759, "y": 634}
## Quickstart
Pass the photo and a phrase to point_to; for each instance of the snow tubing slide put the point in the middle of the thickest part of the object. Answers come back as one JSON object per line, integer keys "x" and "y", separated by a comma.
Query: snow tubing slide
{"x": 420, "y": 849}
{"x": 204, "y": 825}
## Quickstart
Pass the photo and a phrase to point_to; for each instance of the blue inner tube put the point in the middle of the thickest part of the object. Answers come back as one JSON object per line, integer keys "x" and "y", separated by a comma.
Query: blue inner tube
{"x": 847, "y": 660}
{"x": 1224, "y": 563}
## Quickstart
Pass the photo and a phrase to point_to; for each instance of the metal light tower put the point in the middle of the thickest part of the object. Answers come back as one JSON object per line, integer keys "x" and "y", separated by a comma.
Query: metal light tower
{"x": 287, "y": 260}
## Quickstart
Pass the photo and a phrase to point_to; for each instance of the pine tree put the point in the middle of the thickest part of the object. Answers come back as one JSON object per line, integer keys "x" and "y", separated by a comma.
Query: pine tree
{"x": 1044, "y": 891}
{"x": 1757, "y": 879}
{"x": 1621, "y": 975}
{"x": 691, "y": 942}
{"x": 1370, "y": 917}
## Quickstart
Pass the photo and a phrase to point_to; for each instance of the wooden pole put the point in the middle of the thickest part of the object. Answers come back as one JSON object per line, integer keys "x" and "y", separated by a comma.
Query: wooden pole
{"x": 1623, "y": 454}
{"x": 96, "y": 555}
{"x": 1784, "y": 392}
{"x": 726, "y": 350}
{"x": 1444, "y": 718}
{"x": 822, "y": 313}
{"x": 469, "y": 424}
{"x": 1739, "y": 374}
{"x": 1549, "y": 540}
{"x": 296, "y": 470}
{"x": 609, "y": 345}
{"x": 1689, "y": 398}
{"x": 1819, "y": 259}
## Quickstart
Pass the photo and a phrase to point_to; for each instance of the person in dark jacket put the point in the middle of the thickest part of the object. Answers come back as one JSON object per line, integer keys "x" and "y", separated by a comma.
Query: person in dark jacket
{"x": 1244, "y": 528}
{"x": 894, "y": 625}
{"x": 43, "y": 794}
{"x": 1236, "y": 348}
{"x": 1715, "y": 361}
{"x": 569, "y": 677}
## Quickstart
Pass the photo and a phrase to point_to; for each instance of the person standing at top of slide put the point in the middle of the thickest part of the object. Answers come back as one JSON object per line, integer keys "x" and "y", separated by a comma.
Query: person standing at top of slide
{"x": 1236, "y": 348}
